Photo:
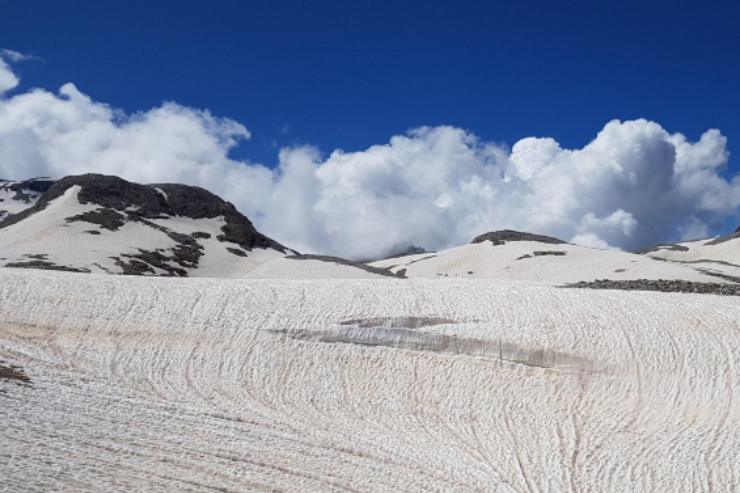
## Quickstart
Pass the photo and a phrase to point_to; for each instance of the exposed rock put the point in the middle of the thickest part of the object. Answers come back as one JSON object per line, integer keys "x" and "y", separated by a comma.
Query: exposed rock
{"x": 656, "y": 248}
{"x": 18, "y": 195}
{"x": 42, "y": 264}
{"x": 406, "y": 322}
{"x": 726, "y": 277}
{"x": 105, "y": 218}
{"x": 133, "y": 267}
{"x": 13, "y": 373}
{"x": 200, "y": 235}
{"x": 237, "y": 251}
{"x": 137, "y": 263}
{"x": 542, "y": 253}
{"x": 502, "y": 236}
{"x": 707, "y": 261}
{"x": 663, "y": 285}
{"x": 342, "y": 261}
{"x": 22, "y": 188}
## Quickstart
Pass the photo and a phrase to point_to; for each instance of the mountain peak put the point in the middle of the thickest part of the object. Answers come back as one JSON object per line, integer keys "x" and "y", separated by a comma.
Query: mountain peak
{"x": 120, "y": 199}
{"x": 93, "y": 222}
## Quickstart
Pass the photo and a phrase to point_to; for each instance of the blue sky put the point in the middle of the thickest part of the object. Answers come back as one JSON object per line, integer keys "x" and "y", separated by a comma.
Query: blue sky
{"x": 309, "y": 78}
{"x": 351, "y": 74}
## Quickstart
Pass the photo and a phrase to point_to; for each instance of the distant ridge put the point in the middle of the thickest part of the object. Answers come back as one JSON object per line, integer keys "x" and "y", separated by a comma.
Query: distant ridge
{"x": 121, "y": 200}
{"x": 95, "y": 223}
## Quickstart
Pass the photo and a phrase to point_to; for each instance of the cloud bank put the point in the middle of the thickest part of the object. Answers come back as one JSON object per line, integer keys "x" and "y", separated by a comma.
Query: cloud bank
{"x": 634, "y": 184}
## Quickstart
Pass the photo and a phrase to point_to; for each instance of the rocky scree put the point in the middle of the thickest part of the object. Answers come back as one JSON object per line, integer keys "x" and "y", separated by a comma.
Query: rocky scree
{"x": 662, "y": 285}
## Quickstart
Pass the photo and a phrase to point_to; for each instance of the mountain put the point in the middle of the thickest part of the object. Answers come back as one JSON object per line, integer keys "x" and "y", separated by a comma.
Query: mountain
{"x": 517, "y": 255}
{"x": 105, "y": 224}
{"x": 16, "y": 196}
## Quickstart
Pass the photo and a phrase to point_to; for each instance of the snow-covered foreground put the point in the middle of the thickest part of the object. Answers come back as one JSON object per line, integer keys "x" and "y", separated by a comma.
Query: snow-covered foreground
{"x": 364, "y": 385}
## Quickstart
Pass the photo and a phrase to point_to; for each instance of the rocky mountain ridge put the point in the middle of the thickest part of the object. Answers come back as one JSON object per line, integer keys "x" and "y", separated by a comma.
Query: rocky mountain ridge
{"x": 105, "y": 223}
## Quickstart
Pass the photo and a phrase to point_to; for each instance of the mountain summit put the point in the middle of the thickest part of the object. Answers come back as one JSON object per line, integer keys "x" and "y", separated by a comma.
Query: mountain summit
{"x": 92, "y": 222}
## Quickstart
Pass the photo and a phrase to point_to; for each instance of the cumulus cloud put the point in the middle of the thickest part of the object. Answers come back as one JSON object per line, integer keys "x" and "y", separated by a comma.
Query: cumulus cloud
{"x": 8, "y": 79}
{"x": 634, "y": 184}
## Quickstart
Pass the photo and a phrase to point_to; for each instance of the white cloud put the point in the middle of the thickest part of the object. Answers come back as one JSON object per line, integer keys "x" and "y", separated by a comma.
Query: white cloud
{"x": 590, "y": 240}
{"x": 633, "y": 185}
{"x": 8, "y": 79}
{"x": 693, "y": 228}
{"x": 15, "y": 56}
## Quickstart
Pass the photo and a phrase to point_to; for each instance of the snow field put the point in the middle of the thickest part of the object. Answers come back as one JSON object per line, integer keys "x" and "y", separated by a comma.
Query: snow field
{"x": 727, "y": 252}
{"x": 198, "y": 384}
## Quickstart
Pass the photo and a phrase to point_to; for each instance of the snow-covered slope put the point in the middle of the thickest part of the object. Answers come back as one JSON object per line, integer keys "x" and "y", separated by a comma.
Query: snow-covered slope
{"x": 523, "y": 256}
{"x": 103, "y": 224}
{"x": 95, "y": 223}
{"x": 16, "y": 196}
{"x": 720, "y": 255}
{"x": 112, "y": 383}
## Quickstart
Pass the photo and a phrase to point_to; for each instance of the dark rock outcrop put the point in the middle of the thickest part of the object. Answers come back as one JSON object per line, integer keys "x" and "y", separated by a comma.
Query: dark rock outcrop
{"x": 44, "y": 265}
{"x": 105, "y": 218}
{"x": 13, "y": 373}
{"x": 237, "y": 251}
{"x": 656, "y": 248}
{"x": 22, "y": 188}
{"x": 662, "y": 285}
{"x": 504, "y": 235}
{"x": 542, "y": 253}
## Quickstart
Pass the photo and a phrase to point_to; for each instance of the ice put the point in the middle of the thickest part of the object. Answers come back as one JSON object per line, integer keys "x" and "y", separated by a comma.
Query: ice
{"x": 153, "y": 384}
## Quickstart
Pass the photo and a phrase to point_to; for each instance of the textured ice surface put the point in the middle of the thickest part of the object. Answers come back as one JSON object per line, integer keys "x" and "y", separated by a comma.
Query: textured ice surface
{"x": 151, "y": 384}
